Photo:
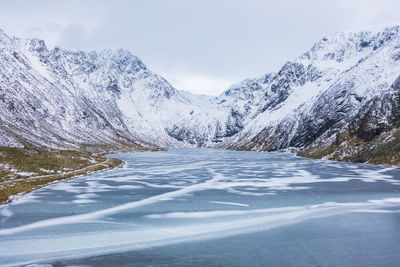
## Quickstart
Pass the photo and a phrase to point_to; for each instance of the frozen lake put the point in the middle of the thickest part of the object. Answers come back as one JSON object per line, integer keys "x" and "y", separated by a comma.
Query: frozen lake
{"x": 207, "y": 207}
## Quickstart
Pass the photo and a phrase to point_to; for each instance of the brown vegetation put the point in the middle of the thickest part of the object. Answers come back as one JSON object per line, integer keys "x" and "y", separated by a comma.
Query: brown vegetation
{"x": 23, "y": 170}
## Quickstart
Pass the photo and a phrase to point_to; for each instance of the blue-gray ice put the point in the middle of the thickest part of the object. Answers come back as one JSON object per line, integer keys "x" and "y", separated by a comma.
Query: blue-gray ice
{"x": 161, "y": 200}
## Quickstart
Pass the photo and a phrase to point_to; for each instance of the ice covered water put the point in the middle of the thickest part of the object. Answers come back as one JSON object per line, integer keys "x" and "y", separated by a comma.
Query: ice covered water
{"x": 210, "y": 207}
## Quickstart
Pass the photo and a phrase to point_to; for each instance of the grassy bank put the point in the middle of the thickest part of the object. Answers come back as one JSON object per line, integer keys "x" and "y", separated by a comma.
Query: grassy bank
{"x": 24, "y": 170}
{"x": 384, "y": 149}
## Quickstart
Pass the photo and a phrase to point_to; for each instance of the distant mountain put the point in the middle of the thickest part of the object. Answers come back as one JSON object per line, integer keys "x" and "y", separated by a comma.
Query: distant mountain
{"x": 339, "y": 100}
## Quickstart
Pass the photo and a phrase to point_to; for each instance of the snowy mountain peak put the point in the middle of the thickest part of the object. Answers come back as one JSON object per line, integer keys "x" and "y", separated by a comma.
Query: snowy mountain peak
{"x": 37, "y": 45}
{"x": 342, "y": 88}
{"x": 345, "y": 45}
{"x": 96, "y": 100}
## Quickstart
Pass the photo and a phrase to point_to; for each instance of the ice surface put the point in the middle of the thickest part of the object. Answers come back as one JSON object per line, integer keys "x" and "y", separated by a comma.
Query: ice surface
{"x": 220, "y": 194}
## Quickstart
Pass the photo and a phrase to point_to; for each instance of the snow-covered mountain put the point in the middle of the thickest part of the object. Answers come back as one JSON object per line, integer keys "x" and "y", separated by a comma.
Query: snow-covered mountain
{"x": 95, "y": 100}
{"x": 338, "y": 100}
{"x": 344, "y": 86}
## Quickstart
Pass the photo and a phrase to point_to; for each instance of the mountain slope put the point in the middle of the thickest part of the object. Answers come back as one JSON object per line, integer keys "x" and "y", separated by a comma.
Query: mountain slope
{"x": 104, "y": 100}
{"x": 324, "y": 92}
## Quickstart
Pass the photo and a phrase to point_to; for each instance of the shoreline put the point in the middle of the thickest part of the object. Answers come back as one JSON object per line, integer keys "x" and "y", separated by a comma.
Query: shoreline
{"x": 371, "y": 161}
{"x": 113, "y": 163}
{"x": 109, "y": 164}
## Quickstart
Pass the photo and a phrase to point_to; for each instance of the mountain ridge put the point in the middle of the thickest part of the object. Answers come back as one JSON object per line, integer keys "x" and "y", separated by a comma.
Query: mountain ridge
{"x": 365, "y": 69}
{"x": 345, "y": 88}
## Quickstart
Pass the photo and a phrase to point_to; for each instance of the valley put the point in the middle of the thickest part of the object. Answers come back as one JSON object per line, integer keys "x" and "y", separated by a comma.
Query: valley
{"x": 339, "y": 100}
{"x": 299, "y": 166}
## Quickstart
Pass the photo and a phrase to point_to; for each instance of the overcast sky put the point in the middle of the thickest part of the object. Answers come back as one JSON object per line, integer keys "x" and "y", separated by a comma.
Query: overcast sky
{"x": 200, "y": 46}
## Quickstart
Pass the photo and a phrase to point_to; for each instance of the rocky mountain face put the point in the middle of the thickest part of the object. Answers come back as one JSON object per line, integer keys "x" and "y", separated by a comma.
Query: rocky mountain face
{"x": 344, "y": 89}
{"x": 102, "y": 101}
{"x": 372, "y": 135}
{"x": 339, "y": 100}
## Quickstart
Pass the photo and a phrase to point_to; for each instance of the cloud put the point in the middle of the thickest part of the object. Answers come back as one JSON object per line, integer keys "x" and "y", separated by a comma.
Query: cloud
{"x": 73, "y": 36}
{"x": 199, "y": 46}
{"x": 198, "y": 83}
